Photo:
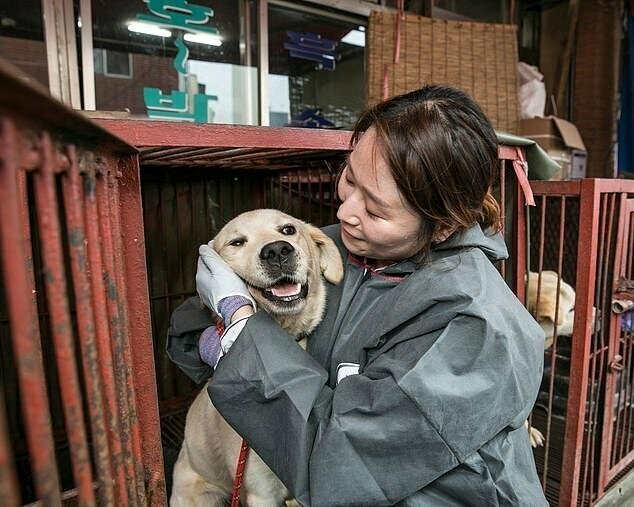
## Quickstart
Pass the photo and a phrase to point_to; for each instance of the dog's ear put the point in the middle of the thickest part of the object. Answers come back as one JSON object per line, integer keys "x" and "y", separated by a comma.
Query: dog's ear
{"x": 330, "y": 261}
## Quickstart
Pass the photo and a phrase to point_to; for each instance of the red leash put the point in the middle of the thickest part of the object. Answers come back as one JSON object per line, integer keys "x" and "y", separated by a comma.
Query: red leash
{"x": 244, "y": 449}
{"x": 237, "y": 483}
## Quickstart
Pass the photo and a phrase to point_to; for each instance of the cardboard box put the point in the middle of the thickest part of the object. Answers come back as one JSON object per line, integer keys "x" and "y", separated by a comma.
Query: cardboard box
{"x": 562, "y": 141}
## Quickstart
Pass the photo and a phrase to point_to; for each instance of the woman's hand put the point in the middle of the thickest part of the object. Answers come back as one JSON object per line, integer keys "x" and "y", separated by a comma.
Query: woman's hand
{"x": 216, "y": 281}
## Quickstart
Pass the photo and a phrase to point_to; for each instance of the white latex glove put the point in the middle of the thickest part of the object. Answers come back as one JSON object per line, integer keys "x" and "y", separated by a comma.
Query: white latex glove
{"x": 215, "y": 280}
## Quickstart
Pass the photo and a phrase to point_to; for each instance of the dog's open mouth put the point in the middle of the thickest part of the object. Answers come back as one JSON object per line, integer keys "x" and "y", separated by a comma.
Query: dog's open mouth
{"x": 285, "y": 291}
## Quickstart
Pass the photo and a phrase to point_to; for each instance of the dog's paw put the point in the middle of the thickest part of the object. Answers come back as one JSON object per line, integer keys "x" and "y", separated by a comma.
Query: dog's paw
{"x": 536, "y": 437}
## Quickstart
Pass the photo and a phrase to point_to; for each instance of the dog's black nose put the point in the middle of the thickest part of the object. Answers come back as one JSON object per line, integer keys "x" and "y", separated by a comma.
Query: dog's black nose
{"x": 277, "y": 253}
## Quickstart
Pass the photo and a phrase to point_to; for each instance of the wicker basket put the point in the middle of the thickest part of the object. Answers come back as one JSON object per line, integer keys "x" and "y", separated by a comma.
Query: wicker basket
{"x": 479, "y": 58}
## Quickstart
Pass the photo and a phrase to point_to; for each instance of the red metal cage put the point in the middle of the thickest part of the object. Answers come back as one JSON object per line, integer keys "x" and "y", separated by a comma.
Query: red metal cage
{"x": 77, "y": 373}
{"x": 582, "y": 230}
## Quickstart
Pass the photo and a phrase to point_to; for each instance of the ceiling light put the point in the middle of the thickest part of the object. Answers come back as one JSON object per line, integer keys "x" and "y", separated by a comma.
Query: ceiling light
{"x": 148, "y": 29}
{"x": 354, "y": 38}
{"x": 203, "y": 38}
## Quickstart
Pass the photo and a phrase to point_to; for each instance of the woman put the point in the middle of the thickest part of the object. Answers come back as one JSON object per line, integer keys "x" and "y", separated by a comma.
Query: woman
{"x": 415, "y": 387}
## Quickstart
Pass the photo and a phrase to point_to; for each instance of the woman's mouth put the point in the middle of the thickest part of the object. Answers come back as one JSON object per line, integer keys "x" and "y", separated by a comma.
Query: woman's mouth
{"x": 348, "y": 235}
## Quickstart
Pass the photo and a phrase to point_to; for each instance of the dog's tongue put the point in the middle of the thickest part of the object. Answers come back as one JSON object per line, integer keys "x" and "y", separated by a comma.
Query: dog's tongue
{"x": 286, "y": 289}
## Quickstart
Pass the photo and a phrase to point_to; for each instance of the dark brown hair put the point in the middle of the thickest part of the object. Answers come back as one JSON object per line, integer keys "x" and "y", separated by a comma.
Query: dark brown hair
{"x": 442, "y": 151}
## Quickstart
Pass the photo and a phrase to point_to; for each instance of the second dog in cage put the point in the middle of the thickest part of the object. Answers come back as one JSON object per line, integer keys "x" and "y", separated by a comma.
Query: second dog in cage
{"x": 552, "y": 303}
{"x": 286, "y": 264}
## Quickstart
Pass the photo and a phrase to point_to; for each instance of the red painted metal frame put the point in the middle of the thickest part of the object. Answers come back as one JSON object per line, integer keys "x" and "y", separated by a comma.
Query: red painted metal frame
{"x": 138, "y": 315}
{"x": 142, "y": 133}
{"x": 105, "y": 251}
{"x": 608, "y": 472}
{"x": 115, "y": 324}
{"x": 57, "y": 296}
{"x": 24, "y": 322}
{"x": 106, "y": 363}
{"x": 577, "y": 394}
{"x": 73, "y": 198}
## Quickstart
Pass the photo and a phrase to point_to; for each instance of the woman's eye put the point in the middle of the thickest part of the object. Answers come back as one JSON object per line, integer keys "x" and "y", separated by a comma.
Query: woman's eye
{"x": 288, "y": 230}
{"x": 372, "y": 215}
{"x": 346, "y": 176}
{"x": 237, "y": 242}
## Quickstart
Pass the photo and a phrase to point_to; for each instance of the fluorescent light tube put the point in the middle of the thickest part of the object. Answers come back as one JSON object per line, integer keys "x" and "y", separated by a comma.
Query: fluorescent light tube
{"x": 203, "y": 38}
{"x": 148, "y": 29}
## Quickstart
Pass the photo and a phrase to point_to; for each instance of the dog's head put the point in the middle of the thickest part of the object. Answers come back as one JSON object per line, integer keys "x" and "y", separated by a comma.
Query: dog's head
{"x": 554, "y": 306}
{"x": 556, "y": 298}
{"x": 284, "y": 262}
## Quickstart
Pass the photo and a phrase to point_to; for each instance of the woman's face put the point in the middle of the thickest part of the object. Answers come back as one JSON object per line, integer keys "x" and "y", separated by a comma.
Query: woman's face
{"x": 375, "y": 220}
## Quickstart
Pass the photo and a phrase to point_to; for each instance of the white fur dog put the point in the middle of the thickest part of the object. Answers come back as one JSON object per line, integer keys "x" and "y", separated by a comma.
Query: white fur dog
{"x": 285, "y": 263}
{"x": 553, "y": 306}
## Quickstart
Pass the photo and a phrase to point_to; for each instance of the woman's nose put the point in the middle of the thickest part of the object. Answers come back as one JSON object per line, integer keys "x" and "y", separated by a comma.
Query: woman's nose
{"x": 346, "y": 212}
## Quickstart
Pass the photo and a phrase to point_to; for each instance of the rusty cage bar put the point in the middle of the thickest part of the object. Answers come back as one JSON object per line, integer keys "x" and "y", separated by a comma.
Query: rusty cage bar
{"x": 78, "y": 413}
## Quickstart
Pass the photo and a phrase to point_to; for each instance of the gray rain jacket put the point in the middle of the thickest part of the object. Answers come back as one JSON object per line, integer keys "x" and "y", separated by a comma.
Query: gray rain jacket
{"x": 449, "y": 367}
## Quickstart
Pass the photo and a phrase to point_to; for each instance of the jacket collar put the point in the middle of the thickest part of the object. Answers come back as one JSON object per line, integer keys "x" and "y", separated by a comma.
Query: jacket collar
{"x": 489, "y": 241}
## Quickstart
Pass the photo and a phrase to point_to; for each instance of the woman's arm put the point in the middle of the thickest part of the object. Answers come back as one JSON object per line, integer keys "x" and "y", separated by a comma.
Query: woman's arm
{"x": 378, "y": 437}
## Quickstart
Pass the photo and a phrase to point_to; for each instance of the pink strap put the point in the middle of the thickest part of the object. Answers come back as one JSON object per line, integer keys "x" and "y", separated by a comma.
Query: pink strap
{"x": 521, "y": 172}
{"x": 400, "y": 15}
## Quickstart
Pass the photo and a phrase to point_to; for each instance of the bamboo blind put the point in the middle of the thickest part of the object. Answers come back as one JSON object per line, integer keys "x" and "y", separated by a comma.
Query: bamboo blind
{"x": 479, "y": 58}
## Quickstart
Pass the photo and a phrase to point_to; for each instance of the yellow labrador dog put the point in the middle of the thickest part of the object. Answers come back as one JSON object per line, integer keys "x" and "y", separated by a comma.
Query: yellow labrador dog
{"x": 555, "y": 304}
{"x": 552, "y": 306}
{"x": 554, "y": 309}
{"x": 285, "y": 263}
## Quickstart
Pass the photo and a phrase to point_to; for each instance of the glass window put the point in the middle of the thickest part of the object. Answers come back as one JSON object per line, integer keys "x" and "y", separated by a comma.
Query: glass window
{"x": 316, "y": 68}
{"x": 22, "y": 38}
{"x": 175, "y": 59}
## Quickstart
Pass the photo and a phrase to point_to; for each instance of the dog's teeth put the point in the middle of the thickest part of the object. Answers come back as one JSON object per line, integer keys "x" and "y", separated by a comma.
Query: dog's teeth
{"x": 286, "y": 290}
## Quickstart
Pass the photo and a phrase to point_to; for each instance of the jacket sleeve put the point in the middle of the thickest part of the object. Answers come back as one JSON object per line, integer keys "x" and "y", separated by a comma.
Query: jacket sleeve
{"x": 187, "y": 322}
{"x": 416, "y": 411}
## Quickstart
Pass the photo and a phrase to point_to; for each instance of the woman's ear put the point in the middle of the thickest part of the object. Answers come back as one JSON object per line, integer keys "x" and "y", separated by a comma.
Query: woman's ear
{"x": 330, "y": 261}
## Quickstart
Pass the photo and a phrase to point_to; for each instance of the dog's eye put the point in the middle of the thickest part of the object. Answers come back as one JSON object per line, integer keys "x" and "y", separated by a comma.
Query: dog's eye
{"x": 288, "y": 230}
{"x": 237, "y": 242}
